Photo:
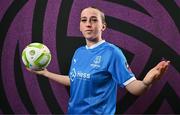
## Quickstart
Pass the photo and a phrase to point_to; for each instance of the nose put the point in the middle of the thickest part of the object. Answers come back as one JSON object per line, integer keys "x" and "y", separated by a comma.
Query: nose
{"x": 88, "y": 23}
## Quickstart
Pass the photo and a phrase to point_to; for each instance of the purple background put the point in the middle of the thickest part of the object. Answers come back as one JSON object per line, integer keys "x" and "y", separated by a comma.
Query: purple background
{"x": 160, "y": 24}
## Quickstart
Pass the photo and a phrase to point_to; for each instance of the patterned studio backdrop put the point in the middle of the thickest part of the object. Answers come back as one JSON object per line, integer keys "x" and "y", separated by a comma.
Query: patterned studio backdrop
{"x": 146, "y": 31}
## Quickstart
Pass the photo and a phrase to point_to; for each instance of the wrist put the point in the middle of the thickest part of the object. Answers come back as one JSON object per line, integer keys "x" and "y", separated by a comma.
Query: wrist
{"x": 45, "y": 73}
{"x": 147, "y": 84}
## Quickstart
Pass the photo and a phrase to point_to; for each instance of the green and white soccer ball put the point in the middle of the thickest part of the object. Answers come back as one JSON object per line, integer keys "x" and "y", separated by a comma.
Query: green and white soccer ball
{"x": 36, "y": 56}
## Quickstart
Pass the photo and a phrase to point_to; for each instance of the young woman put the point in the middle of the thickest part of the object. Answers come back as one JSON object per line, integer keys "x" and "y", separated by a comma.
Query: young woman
{"x": 98, "y": 68}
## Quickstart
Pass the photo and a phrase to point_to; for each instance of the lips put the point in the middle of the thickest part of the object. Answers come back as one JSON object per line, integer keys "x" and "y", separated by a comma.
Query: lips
{"x": 88, "y": 30}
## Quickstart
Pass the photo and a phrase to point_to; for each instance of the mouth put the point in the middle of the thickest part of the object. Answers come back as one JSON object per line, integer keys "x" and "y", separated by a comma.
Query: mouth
{"x": 88, "y": 30}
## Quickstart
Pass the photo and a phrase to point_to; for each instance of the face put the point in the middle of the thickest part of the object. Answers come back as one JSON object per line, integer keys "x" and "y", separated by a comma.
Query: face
{"x": 91, "y": 24}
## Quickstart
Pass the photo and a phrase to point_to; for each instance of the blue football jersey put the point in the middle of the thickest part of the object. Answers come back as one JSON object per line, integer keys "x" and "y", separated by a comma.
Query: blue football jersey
{"x": 94, "y": 75}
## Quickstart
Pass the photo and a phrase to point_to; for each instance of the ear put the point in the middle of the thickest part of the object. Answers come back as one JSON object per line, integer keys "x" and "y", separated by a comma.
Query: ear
{"x": 104, "y": 27}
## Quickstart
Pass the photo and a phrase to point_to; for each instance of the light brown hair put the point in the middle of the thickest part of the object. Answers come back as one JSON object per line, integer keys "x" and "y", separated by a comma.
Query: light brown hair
{"x": 101, "y": 13}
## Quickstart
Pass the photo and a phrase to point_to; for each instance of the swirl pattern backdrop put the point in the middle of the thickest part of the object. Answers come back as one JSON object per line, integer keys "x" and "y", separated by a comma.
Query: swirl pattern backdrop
{"x": 146, "y": 31}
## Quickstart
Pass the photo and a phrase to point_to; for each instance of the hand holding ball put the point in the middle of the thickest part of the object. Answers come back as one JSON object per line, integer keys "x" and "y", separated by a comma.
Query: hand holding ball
{"x": 36, "y": 56}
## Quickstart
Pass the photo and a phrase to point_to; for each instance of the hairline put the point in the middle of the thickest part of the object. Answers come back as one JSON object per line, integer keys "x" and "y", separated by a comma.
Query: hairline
{"x": 101, "y": 13}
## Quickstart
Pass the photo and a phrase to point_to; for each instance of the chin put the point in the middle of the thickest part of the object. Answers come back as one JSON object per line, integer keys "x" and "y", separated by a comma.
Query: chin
{"x": 90, "y": 38}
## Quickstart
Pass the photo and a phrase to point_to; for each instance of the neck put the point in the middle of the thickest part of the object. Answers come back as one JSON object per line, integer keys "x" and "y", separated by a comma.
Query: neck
{"x": 92, "y": 42}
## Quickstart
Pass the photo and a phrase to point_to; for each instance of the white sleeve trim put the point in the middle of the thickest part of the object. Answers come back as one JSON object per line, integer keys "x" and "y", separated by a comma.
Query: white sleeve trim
{"x": 129, "y": 81}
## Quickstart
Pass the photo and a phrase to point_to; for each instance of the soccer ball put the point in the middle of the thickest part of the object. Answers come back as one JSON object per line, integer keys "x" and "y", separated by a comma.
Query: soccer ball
{"x": 36, "y": 56}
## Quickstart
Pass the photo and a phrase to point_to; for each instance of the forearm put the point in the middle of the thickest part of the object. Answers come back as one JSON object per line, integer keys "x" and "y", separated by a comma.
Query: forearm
{"x": 138, "y": 87}
{"x": 63, "y": 79}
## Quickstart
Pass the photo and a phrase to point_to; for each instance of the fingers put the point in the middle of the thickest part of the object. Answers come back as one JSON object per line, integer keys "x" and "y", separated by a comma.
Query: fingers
{"x": 40, "y": 72}
{"x": 163, "y": 68}
{"x": 162, "y": 64}
{"x": 29, "y": 69}
{"x": 166, "y": 65}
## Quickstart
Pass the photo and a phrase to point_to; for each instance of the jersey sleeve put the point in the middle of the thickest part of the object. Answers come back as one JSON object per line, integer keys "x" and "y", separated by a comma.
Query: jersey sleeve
{"x": 119, "y": 68}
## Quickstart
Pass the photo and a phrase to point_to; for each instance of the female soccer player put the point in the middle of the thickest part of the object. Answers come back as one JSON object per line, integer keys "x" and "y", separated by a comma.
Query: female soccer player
{"x": 98, "y": 68}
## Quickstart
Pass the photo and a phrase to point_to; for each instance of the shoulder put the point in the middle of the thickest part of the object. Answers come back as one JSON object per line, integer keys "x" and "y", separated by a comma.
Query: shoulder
{"x": 80, "y": 49}
{"x": 115, "y": 50}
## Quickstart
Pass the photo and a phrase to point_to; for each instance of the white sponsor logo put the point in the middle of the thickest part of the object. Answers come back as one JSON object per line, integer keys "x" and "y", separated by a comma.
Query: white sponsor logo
{"x": 83, "y": 75}
{"x": 73, "y": 74}
{"x": 79, "y": 75}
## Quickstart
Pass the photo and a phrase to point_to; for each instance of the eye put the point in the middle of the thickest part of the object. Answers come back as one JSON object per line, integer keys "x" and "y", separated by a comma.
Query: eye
{"x": 94, "y": 20}
{"x": 83, "y": 20}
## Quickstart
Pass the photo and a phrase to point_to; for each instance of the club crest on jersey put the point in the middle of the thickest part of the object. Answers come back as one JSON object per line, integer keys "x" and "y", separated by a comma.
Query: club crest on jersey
{"x": 96, "y": 62}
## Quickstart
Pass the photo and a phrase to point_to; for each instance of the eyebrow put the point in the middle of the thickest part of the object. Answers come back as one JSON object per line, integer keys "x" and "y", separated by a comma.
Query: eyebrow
{"x": 90, "y": 17}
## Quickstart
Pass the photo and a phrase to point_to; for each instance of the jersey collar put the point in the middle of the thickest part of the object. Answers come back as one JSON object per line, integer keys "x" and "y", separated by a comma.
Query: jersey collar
{"x": 95, "y": 45}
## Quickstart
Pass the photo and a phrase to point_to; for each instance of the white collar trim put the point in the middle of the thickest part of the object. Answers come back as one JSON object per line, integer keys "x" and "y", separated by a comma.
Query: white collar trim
{"x": 95, "y": 45}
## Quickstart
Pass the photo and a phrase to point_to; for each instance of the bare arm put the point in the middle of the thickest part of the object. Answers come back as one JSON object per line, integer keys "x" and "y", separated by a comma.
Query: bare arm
{"x": 63, "y": 79}
{"x": 138, "y": 87}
